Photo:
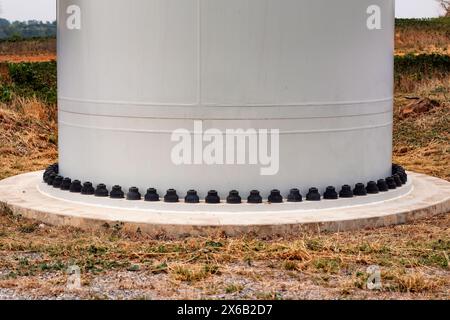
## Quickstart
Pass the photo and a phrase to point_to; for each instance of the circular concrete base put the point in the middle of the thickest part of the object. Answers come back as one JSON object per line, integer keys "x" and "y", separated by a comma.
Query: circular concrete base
{"x": 27, "y": 196}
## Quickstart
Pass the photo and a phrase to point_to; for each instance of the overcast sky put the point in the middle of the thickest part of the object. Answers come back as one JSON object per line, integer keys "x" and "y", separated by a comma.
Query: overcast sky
{"x": 45, "y": 9}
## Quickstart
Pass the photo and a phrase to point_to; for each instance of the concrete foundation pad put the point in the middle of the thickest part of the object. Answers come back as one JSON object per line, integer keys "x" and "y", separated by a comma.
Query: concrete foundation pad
{"x": 27, "y": 196}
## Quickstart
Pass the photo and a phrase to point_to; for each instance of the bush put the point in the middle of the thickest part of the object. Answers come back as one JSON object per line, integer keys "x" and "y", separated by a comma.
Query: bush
{"x": 423, "y": 66}
{"x": 38, "y": 79}
{"x": 442, "y": 24}
{"x": 5, "y": 94}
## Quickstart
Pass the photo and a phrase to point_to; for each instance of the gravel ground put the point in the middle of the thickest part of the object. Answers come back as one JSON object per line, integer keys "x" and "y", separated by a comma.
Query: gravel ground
{"x": 248, "y": 283}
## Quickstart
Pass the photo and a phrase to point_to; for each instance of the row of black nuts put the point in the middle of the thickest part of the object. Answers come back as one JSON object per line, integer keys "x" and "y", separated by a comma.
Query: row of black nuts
{"x": 399, "y": 178}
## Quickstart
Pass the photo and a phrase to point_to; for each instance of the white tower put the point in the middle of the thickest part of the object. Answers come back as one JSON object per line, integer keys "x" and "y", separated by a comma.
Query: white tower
{"x": 131, "y": 73}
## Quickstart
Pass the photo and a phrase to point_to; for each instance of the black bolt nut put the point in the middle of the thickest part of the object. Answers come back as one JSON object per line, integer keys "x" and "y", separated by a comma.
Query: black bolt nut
{"x": 192, "y": 197}
{"x": 133, "y": 194}
{"x": 346, "y": 192}
{"x": 397, "y": 180}
{"x": 234, "y": 197}
{"x": 75, "y": 186}
{"x": 399, "y": 177}
{"x": 403, "y": 177}
{"x": 382, "y": 185}
{"x": 87, "y": 189}
{"x": 171, "y": 196}
{"x": 117, "y": 193}
{"x": 52, "y": 169}
{"x": 313, "y": 195}
{"x": 101, "y": 191}
{"x": 372, "y": 188}
{"x": 57, "y": 182}
{"x": 255, "y": 197}
{"x": 213, "y": 197}
{"x": 331, "y": 194}
{"x": 51, "y": 178}
{"x": 55, "y": 167}
{"x": 152, "y": 195}
{"x": 47, "y": 174}
{"x": 275, "y": 196}
{"x": 294, "y": 196}
{"x": 49, "y": 169}
{"x": 65, "y": 185}
{"x": 391, "y": 183}
{"x": 360, "y": 190}
{"x": 396, "y": 169}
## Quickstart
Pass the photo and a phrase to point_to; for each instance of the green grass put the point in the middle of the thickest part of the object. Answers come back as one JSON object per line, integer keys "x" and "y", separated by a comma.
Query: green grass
{"x": 35, "y": 79}
{"x": 435, "y": 24}
{"x": 27, "y": 80}
{"x": 21, "y": 39}
{"x": 423, "y": 66}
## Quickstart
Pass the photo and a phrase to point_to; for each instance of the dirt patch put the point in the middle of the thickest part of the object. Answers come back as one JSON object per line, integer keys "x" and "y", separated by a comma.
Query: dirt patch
{"x": 27, "y": 58}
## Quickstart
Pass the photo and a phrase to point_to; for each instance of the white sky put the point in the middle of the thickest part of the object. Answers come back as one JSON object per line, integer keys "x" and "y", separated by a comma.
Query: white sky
{"x": 46, "y": 9}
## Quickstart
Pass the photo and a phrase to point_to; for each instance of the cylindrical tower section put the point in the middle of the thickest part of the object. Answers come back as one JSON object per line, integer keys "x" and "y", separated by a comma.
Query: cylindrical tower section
{"x": 305, "y": 86}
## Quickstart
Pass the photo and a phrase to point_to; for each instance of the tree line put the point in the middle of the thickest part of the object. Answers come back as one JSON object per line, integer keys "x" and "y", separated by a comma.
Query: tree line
{"x": 25, "y": 30}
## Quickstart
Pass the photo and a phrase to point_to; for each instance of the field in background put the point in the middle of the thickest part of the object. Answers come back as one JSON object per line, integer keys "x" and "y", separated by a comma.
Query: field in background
{"x": 414, "y": 258}
{"x": 422, "y": 36}
{"x": 31, "y": 50}
{"x": 422, "y": 114}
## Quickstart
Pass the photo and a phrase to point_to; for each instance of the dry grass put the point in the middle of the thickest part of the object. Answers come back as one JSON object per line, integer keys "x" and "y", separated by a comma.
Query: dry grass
{"x": 27, "y": 136}
{"x": 413, "y": 259}
{"x": 418, "y": 40}
{"x": 28, "y": 48}
{"x": 27, "y": 58}
{"x": 34, "y": 50}
{"x": 422, "y": 140}
{"x": 437, "y": 87}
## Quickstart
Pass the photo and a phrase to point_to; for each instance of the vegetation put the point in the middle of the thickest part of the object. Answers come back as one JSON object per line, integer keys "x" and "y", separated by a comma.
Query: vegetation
{"x": 33, "y": 80}
{"x": 423, "y": 36}
{"x": 424, "y": 65}
{"x": 414, "y": 261}
{"x": 23, "y": 30}
{"x": 32, "y": 46}
{"x": 413, "y": 71}
{"x": 431, "y": 24}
